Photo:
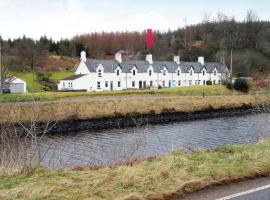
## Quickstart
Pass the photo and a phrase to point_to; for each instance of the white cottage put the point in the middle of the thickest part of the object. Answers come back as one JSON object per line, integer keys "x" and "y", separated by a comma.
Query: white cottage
{"x": 103, "y": 75}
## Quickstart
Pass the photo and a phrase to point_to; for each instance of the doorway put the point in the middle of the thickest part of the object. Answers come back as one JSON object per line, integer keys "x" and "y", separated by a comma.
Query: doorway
{"x": 140, "y": 84}
{"x": 111, "y": 85}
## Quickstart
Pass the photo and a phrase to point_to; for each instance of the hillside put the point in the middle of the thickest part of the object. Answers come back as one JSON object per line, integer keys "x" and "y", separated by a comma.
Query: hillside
{"x": 212, "y": 38}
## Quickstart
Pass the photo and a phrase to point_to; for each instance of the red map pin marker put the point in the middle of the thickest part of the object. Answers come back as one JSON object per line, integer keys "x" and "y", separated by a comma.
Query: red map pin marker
{"x": 149, "y": 38}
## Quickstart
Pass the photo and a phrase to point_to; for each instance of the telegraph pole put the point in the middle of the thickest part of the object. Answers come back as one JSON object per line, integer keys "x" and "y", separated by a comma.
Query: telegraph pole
{"x": 231, "y": 70}
{"x": 1, "y": 70}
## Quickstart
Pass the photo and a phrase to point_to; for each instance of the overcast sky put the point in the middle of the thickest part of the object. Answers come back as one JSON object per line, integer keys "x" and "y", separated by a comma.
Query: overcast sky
{"x": 66, "y": 18}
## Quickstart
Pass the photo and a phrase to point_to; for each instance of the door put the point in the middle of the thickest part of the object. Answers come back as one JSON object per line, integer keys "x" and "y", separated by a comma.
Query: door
{"x": 170, "y": 84}
{"x": 111, "y": 85}
{"x": 144, "y": 84}
{"x": 140, "y": 84}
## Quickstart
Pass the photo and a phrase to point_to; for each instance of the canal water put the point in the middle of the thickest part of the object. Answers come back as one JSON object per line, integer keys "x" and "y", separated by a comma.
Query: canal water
{"x": 117, "y": 145}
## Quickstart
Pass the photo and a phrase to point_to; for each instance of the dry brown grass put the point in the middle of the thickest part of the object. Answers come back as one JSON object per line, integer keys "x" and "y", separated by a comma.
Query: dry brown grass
{"x": 90, "y": 108}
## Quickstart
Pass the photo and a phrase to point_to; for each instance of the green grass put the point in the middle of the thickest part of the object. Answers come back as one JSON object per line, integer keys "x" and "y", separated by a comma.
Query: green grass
{"x": 181, "y": 91}
{"x": 58, "y": 75}
{"x": 34, "y": 86}
{"x": 160, "y": 178}
{"x": 31, "y": 83}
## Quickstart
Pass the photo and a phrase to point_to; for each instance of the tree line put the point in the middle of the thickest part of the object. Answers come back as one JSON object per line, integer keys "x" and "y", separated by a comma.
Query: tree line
{"x": 213, "y": 38}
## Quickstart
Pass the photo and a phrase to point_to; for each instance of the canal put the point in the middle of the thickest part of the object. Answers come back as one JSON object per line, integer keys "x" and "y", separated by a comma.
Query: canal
{"x": 117, "y": 145}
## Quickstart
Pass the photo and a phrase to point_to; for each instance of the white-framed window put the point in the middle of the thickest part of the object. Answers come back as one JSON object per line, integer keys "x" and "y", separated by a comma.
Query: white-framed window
{"x": 214, "y": 82}
{"x": 190, "y": 82}
{"x": 134, "y": 72}
{"x": 164, "y": 72}
{"x": 118, "y": 72}
{"x": 190, "y": 72}
{"x": 106, "y": 84}
{"x": 99, "y": 73}
{"x": 179, "y": 83}
{"x": 133, "y": 83}
{"x": 119, "y": 84}
{"x": 150, "y": 72}
{"x": 163, "y": 84}
{"x": 199, "y": 82}
{"x": 98, "y": 85}
{"x": 204, "y": 82}
{"x": 64, "y": 84}
{"x": 203, "y": 73}
{"x": 178, "y": 72}
{"x": 151, "y": 83}
{"x": 71, "y": 84}
{"x": 215, "y": 73}
{"x": 219, "y": 82}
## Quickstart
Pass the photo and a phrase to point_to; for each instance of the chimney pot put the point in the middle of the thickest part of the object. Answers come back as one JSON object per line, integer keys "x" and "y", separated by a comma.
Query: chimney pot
{"x": 83, "y": 56}
{"x": 118, "y": 57}
{"x": 201, "y": 60}
{"x": 149, "y": 58}
{"x": 176, "y": 59}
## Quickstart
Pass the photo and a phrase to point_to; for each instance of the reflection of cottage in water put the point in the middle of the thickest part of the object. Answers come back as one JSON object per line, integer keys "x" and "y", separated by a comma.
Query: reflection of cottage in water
{"x": 14, "y": 85}
{"x": 100, "y": 75}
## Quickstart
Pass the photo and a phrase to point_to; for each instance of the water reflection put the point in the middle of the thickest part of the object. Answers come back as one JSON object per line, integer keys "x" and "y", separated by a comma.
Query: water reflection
{"x": 110, "y": 146}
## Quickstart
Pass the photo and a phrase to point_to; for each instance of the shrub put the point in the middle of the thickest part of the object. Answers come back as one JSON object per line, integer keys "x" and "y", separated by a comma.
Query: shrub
{"x": 241, "y": 85}
{"x": 209, "y": 83}
{"x": 228, "y": 84}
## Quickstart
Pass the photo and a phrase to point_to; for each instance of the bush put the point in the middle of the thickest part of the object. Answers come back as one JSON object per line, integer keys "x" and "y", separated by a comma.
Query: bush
{"x": 43, "y": 77}
{"x": 209, "y": 83}
{"x": 241, "y": 85}
{"x": 228, "y": 84}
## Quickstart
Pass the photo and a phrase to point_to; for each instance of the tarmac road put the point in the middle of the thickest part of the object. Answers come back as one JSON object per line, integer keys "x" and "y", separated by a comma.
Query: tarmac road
{"x": 256, "y": 189}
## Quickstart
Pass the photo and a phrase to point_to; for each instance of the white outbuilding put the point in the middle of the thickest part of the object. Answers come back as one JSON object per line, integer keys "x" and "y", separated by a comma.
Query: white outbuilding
{"x": 14, "y": 85}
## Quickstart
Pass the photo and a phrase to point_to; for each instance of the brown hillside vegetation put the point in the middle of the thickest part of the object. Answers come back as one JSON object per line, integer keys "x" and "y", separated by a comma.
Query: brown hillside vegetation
{"x": 44, "y": 63}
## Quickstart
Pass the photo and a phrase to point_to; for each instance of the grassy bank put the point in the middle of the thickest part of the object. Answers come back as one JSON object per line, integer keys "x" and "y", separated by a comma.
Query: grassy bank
{"x": 181, "y": 91}
{"x": 160, "y": 178}
{"x": 34, "y": 86}
{"x": 99, "y": 107}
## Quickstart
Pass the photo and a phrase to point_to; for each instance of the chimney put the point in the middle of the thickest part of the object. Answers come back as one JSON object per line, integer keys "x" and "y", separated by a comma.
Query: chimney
{"x": 201, "y": 60}
{"x": 118, "y": 57}
{"x": 83, "y": 56}
{"x": 149, "y": 58}
{"x": 176, "y": 59}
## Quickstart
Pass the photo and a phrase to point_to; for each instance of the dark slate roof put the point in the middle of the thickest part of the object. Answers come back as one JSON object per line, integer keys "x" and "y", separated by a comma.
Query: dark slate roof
{"x": 170, "y": 65}
{"x": 74, "y": 77}
{"x": 221, "y": 68}
{"x": 142, "y": 66}
{"x": 108, "y": 65}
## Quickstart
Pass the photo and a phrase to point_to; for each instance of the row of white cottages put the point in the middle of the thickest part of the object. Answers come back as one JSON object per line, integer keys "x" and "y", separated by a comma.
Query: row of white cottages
{"x": 102, "y": 75}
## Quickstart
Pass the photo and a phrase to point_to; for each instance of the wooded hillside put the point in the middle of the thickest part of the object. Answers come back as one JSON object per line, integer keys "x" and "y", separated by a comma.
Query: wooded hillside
{"x": 212, "y": 38}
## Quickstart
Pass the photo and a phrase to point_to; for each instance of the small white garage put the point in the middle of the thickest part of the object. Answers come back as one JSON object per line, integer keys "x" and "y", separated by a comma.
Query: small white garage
{"x": 14, "y": 85}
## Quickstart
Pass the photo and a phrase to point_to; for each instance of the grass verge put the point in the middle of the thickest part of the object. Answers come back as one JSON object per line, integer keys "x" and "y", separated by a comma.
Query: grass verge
{"x": 94, "y": 108}
{"x": 180, "y": 91}
{"x": 162, "y": 177}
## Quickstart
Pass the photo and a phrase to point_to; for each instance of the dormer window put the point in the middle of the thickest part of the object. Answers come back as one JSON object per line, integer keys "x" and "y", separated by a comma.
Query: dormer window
{"x": 178, "y": 72}
{"x": 203, "y": 73}
{"x": 118, "y": 72}
{"x": 215, "y": 73}
{"x": 134, "y": 72}
{"x": 164, "y": 72}
{"x": 190, "y": 72}
{"x": 150, "y": 72}
{"x": 99, "y": 73}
